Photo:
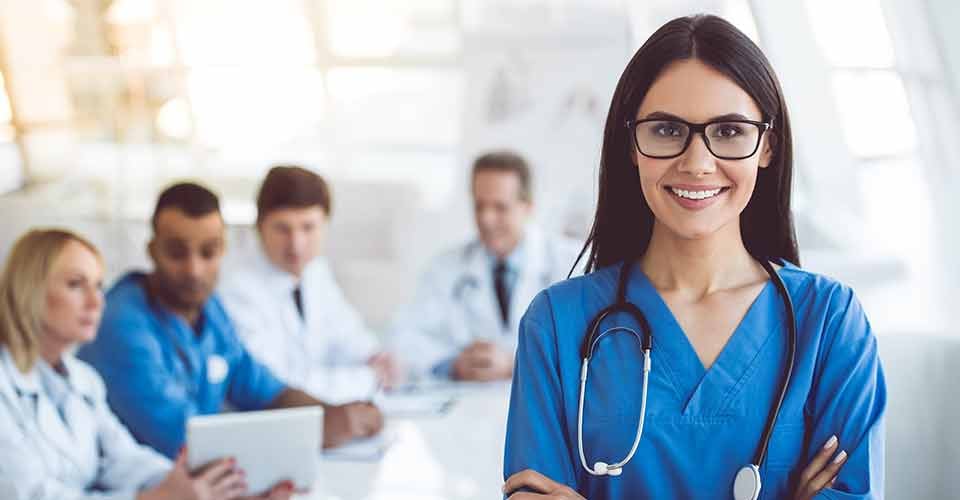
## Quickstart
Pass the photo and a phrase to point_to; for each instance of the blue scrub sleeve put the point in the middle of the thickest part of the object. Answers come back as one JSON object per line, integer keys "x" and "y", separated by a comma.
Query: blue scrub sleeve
{"x": 850, "y": 400}
{"x": 252, "y": 385}
{"x": 536, "y": 426}
{"x": 130, "y": 360}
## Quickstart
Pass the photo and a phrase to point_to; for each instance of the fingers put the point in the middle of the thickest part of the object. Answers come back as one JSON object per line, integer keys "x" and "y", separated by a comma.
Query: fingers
{"x": 180, "y": 464}
{"x": 213, "y": 472}
{"x": 369, "y": 419}
{"x": 530, "y": 479}
{"x": 281, "y": 491}
{"x": 829, "y": 473}
{"x": 822, "y": 470}
{"x": 231, "y": 486}
{"x": 819, "y": 460}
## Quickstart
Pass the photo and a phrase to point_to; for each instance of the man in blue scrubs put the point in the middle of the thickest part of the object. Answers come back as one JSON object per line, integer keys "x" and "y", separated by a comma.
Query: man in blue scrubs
{"x": 167, "y": 349}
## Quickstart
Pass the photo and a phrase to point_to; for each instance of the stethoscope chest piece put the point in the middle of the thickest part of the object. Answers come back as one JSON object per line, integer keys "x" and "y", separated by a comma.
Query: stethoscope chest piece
{"x": 747, "y": 484}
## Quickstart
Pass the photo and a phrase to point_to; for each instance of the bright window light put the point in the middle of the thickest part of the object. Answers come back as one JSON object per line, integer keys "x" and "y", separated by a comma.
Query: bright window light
{"x": 264, "y": 106}
{"x": 851, "y": 33}
{"x": 373, "y": 28}
{"x": 388, "y": 106}
{"x": 875, "y": 112}
{"x": 217, "y": 32}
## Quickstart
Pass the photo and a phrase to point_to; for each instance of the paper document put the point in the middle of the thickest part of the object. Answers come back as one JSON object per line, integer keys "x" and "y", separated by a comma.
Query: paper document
{"x": 368, "y": 449}
{"x": 415, "y": 404}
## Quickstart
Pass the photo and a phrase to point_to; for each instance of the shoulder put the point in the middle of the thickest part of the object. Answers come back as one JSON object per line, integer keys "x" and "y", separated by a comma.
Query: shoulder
{"x": 581, "y": 293}
{"x": 816, "y": 292}
{"x": 598, "y": 284}
{"x": 217, "y": 315}
{"x": 827, "y": 310}
{"x": 85, "y": 378}
{"x": 127, "y": 315}
{"x": 128, "y": 290}
{"x": 444, "y": 265}
{"x": 242, "y": 276}
{"x": 320, "y": 272}
{"x": 455, "y": 255}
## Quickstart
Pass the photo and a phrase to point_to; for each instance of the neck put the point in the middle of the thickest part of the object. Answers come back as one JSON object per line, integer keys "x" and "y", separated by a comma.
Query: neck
{"x": 189, "y": 314}
{"x": 52, "y": 349}
{"x": 699, "y": 266}
{"x": 503, "y": 255}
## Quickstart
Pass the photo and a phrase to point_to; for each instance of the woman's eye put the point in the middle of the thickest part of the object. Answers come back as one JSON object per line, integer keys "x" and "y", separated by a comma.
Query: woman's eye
{"x": 728, "y": 131}
{"x": 667, "y": 131}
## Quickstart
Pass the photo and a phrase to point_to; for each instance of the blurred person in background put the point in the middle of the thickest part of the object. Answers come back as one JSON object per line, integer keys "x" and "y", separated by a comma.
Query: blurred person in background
{"x": 58, "y": 437}
{"x": 463, "y": 321}
{"x": 286, "y": 305}
{"x": 167, "y": 348}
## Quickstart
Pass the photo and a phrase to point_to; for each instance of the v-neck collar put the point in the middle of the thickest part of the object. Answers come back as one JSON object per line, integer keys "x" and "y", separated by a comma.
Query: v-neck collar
{"x": 701, "y": 391}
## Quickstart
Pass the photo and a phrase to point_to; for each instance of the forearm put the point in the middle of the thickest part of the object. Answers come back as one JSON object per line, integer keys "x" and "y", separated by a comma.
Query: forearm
{"x": 295, "y": 398}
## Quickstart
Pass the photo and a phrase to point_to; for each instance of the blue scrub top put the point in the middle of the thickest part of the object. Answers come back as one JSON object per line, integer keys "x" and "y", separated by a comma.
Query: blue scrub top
{"x": 702, "y": 425}
{"x": 159, "y": 371}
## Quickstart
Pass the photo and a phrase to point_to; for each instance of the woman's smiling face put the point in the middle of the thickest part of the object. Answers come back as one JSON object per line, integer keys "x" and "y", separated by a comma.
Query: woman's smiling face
{"x": 697, "y": 194}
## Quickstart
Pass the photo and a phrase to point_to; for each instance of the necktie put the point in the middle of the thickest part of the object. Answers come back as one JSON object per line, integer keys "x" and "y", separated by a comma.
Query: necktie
{"x": 500, "y": 287}
{"x": 298, "y": 300}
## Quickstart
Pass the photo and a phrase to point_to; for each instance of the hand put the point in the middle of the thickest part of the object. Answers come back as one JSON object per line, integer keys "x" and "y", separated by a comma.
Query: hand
{"x": 483, "y": 361}
{"x": 386, "y": 369}
{"x": 545, "y": 488}
{"x": 218, "y": 480}
{"x": 283, "y": 490}
{"x": 821, "y": 472}
{"x": 352, "y": 420}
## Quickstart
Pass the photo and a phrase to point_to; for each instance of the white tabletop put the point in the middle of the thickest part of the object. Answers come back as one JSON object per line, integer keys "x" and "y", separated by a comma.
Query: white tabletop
{"x": 454, "y": 456}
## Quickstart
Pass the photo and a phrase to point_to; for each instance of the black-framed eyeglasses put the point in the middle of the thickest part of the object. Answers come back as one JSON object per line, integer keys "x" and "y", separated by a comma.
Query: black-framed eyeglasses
{"x": 662, "y": 138}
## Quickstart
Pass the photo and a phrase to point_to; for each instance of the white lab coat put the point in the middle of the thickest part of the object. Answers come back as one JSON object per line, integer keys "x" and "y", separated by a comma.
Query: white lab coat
{"x": 324, "y": 353}
{"x": 86, "y": 455}
{"x": 455, "y": 303}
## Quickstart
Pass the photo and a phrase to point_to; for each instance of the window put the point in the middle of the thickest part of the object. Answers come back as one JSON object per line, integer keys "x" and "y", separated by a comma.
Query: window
{"x": 11, "y": 168}
{"x": 885, "y": 75}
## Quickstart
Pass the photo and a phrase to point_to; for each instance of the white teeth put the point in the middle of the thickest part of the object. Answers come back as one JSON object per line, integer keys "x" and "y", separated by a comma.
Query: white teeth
{"x": 695, "y": 195}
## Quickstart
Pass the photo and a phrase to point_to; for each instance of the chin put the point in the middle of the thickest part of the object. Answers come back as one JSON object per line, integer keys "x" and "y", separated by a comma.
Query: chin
{"x": 86, "y": 335}
{"x": 695, "y": 232}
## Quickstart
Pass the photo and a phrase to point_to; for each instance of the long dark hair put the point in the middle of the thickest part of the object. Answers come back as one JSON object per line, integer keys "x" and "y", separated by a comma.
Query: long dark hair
{"x": 623, "y": 222}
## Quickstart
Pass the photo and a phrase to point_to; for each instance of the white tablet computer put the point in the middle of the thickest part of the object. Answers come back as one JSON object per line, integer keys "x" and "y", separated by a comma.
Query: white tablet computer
{"x": 269, "y": 446}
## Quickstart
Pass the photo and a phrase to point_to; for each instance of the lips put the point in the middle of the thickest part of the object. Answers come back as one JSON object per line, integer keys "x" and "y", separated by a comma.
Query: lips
{"x": 695, "y": 197}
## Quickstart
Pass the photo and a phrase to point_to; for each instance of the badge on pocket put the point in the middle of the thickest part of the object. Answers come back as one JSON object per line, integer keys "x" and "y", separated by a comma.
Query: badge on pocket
{"x": 216, "y": 369}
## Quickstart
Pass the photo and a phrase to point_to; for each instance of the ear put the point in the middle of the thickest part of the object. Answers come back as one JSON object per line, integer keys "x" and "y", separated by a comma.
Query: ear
{"x": 529, "y": 206}
{"x": 767, "y": 149}
{"x": 152, "y": 249}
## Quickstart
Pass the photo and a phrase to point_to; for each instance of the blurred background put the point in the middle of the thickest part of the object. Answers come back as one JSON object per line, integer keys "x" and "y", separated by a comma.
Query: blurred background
{"x": 105, "y": 102}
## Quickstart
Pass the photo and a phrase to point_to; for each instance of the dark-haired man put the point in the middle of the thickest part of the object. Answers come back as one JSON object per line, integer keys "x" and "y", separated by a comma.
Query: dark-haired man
{"x": 167, "y": 349}
{"x": 286, "y": 304}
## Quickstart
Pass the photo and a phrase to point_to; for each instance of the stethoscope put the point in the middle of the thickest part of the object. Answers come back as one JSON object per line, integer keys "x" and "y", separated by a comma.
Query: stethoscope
{"x": 746, "y": 485}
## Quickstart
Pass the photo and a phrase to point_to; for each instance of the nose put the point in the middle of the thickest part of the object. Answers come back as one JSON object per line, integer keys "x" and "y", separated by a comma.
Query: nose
{"x": 487, "y": 217}
{"x": 697, "y": 159}
{"x": 297, "y": 241}
{"x": 94, "y": 298}
{"x": 193, "y": 266}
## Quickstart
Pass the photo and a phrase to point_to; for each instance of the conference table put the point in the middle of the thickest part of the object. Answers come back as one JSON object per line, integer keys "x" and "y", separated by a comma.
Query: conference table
{"x": 453, "y": 455}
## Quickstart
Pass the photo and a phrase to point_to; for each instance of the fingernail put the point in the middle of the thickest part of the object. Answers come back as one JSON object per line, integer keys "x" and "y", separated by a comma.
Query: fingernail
{"x": 840, "y": 456}
{"x": 830, "y": 443}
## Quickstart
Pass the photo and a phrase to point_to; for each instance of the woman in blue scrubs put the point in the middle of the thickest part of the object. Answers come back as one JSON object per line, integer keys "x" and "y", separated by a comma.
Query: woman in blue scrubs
{"x": 693, "y": 210}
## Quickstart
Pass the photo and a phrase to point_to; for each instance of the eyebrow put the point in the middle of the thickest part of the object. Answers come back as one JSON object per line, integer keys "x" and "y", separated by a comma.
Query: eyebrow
{"x": 661, "y": 115}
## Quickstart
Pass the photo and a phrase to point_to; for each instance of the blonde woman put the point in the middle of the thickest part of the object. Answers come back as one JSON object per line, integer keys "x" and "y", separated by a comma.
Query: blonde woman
{"x": 58, "y": 438}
